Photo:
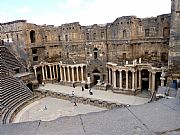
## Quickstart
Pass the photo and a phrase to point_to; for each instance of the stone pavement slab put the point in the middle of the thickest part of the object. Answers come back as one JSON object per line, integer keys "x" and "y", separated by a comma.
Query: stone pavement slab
{"x": 157, "y": 116}
{"x": 172, "y": 133}
{"x": 62, "y": 126}
{"x": 97, "y": 94}
{"x": 172, "y": 103}
{"x": 26, "y": 128}
{"x": 114, "y": 122}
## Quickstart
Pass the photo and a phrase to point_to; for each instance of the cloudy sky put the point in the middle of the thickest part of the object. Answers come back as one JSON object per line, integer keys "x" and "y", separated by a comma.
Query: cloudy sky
{"x": 87, "y": 12}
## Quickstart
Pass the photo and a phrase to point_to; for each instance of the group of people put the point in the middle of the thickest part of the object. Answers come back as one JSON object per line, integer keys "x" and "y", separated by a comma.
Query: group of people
{"x": 90, "y": 92}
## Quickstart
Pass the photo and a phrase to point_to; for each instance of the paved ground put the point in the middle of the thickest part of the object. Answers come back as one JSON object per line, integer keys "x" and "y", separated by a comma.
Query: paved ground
{"x": 50, "y": 108}
{"x": 97, "y": 94}
{"x": 156, "y": 118}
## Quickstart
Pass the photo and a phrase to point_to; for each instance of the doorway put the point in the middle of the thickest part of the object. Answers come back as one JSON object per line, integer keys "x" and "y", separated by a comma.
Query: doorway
{"x": 96, "y": 78}
{"x": 145, "y": 85}
{"x": 145, "y": 80}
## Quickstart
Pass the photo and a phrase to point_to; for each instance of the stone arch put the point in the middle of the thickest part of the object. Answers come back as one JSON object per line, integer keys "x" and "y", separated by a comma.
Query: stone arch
{"x": 32, "y": 36}
{"x": 96, "y": 71}
{"x": 166, "y": 32}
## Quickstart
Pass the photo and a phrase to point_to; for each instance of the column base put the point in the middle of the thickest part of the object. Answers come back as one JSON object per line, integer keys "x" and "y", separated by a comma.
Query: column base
{"x": 132, "y": 90}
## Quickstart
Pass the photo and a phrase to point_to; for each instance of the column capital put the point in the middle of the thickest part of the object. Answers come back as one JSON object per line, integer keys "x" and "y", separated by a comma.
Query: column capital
{"x": 114, "y": 70}
{"x": 126, "y": 70}
{"x": 120, "y": 70}
{"x": 133, "y": 70}
{"x": 34, "y": 67}
{"x": 153, "y": 72}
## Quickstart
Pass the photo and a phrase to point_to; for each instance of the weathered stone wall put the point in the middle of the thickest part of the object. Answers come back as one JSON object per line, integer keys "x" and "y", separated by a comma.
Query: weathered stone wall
{"x": 174, "y": 52}
{"x": 126, "y": 38}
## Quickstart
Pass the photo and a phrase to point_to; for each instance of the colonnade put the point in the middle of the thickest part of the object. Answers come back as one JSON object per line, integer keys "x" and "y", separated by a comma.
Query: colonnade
{"x": 63, "y": 72}
{"x": 136, "y": 79}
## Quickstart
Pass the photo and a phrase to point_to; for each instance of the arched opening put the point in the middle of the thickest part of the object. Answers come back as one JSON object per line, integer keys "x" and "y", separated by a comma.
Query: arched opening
{"x": 32, "y": 36}
{"x": 95, "y": 53}
{"x": 96, "y": 76}
{"x": 124, "y": 34}
{"x": 146, "y": 32}
{"x": 96, "y": 71}
{"x": 166, "y": 32}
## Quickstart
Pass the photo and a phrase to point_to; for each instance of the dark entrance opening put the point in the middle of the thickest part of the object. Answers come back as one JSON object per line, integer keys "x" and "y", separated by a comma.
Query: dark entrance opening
{"x": 145, "y": 80}
{"x": 39, "y": 78}
{"x": 96, "y": 77}
{"x": 29, "y": 85}
{"x": 32, "y": 36}
{"x": 145, "y": 84}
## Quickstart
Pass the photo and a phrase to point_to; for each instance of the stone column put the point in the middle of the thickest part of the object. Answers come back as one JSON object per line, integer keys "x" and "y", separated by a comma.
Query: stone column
{"x": 43, "y": 72}
{"x": 153, "y": 81}
{"x": 64, "y": 69}
{"x": 133, "y": 80}
{"x": 139, "y": 79}
{"x": 50, "y": 72}
{"x": 53, "y": 72}
{"x": 57, "y": 71}
{"x": 46, "y": 72}
{"x": 68, "y": 75}
{"x": 120, "y": 79}
{"x": 162, "y": 78}
{"x": 126, "y": 79}
{"x": 77, "y": 74}
{"x": 114, "y": 78}
{"x": 109, "y": 76}
{"x": 149, "y": 89}
{"x": 72, "y": 74}
{"x": 35, "y": 73}
{"x": 82, "y": 74}
{"x": 61, "y": 75}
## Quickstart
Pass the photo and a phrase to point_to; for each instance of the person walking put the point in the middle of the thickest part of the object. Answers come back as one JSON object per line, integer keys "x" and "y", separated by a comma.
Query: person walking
{"x": 73, "y": 85}
{"x": 82, "y": 88}
{"x": 75, "y": 104}
{"x": 90, "y": 91}
{"x": 72, "y": 93}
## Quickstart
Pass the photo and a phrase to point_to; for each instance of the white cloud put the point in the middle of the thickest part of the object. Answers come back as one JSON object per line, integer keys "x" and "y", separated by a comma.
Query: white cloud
{"x": 25, "y": 9}
{"x": 89, "y": 12}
